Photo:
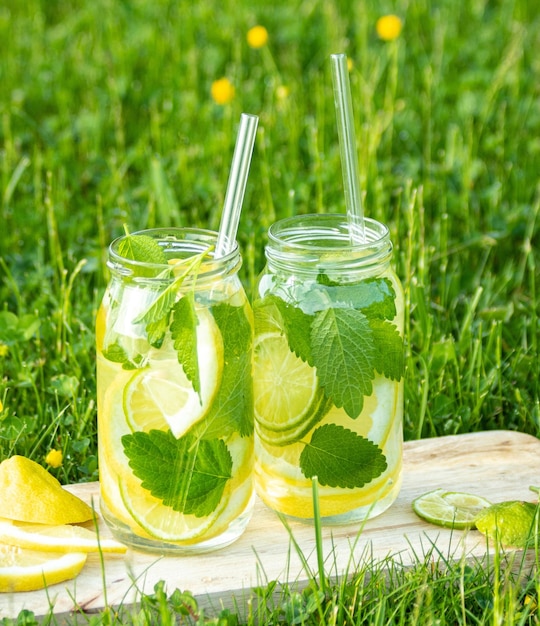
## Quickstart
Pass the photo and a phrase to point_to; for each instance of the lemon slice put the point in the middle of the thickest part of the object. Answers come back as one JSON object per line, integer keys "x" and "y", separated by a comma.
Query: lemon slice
{"x": 163, "y": 522}
{"x": 63, "y": 538}
{"x": 286, "y": 390}
{"x": 29, "y": 570}
{"x": 452, "y": 509}
{"x": 162, "y": 396}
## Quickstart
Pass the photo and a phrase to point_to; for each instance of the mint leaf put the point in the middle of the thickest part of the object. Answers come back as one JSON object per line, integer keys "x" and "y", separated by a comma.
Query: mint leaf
{"x": 339, "y": 457}
{"x": 297, "y": 325}
{"x": 157, "y": 330}
{"x": 344, "y": 354}
{"x": 232, "y": 408}
{"x": 117, "y": 354}
{"x": 141, "y": 248}
{"x": 184, "y": 334}
{"x": 186, "y": 474}
{"x": 390, "y": 357}
{"x": 375, "y": 297}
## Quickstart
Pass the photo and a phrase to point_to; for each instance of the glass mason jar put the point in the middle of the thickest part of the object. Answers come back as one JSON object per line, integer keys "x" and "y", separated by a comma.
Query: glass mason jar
{"x": 174, "y": 387}
{"x": 328, "y": 370}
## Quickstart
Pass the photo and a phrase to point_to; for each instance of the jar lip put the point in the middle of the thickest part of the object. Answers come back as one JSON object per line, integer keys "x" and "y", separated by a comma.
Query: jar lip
{"x": 300, "y": 233}
{"x": 195, "y": 240}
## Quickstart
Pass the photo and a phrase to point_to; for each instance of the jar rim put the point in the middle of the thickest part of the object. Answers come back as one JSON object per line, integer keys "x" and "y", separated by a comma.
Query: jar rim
{"x": 193, "y": 236}
{"x": 186, "y": 242}
{"x": 300, "y": 233}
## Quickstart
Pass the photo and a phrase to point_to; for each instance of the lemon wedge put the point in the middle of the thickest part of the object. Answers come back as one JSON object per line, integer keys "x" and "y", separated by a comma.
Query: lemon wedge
{"x": 62, "y": 538}
{"x": 29, "y": 493}
{"x": 29, "y": 570}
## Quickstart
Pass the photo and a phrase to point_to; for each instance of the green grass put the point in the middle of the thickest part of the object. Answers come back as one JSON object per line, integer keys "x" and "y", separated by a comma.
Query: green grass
{"x": 106, "y": 119}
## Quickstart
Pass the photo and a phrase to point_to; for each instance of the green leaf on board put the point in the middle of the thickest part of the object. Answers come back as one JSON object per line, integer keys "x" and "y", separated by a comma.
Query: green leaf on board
{"x": 184, "y": 333}
{"x": 185, "y": 474}
{"x": 339, "y": 457}
{"x": 344, "y": 354}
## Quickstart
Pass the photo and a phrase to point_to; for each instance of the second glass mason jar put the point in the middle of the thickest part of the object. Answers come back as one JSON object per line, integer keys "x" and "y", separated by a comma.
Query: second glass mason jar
{"x": 328, "y": 370}
{"x": 174, "y": 387}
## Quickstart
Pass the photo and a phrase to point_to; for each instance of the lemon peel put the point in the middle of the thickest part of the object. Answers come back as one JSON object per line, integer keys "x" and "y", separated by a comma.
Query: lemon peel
{"x": 64, "y": 538}
{"x": 29, "y": 493}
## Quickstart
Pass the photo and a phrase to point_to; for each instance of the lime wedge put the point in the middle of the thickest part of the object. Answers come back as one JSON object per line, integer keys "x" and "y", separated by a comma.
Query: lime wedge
{"x": 452, "y": 509}
{"x": 286, "y": 390}
{"x": 511, "y": 522}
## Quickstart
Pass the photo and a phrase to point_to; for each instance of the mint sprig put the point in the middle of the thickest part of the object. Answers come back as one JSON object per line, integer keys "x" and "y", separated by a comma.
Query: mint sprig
{"x": 338, "y": 457}
{"x": 348, "y": 337}
{"x": 186, "y": 474}
{"x": 157, "y": 316}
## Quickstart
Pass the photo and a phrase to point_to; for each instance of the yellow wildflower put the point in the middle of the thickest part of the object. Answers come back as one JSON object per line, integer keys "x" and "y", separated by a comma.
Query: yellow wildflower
{"x": 389, "y": 27}
{"x": 282, "y": 92}
{"x": 54, "y": 458}
{"x": 3, "y": 349}
{"x": 222, "y": 91}
{"x": 257, "y": 37}
{"x": 1, "y": 406}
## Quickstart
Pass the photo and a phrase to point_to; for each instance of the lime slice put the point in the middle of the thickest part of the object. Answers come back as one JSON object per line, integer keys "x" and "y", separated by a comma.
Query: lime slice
{"x": 163, "y": 522}
{"x": 161, "y": 396}
{"x": 452, "y": 509}
{"x": 509, "y": 522}
{"x": 63, "y": 538}
{"x": 29, "y": 570}
{"x": 286, "y": 390}
{"x": 287, "y": 436}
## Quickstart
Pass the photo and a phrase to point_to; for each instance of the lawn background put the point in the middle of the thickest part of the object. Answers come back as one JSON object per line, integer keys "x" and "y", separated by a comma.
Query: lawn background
{"x": 106, "y": 119}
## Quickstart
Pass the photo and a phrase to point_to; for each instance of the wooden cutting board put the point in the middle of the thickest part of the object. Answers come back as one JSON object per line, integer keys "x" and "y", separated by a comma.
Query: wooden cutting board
{"x": 499, "y": 465}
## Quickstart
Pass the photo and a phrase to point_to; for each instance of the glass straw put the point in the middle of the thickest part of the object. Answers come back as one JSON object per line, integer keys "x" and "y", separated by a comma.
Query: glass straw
{"x": 236, "y": 186}
{"x": 347, "y": 145}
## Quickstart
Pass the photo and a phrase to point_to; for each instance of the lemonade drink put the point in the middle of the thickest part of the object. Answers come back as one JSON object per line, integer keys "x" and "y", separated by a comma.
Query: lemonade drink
{"x": 174, "y": 381}
{"x": 328, "y": 370}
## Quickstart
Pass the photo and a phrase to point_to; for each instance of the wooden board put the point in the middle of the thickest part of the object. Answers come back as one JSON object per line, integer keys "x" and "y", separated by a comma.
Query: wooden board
{"x": 500, "y": 465}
